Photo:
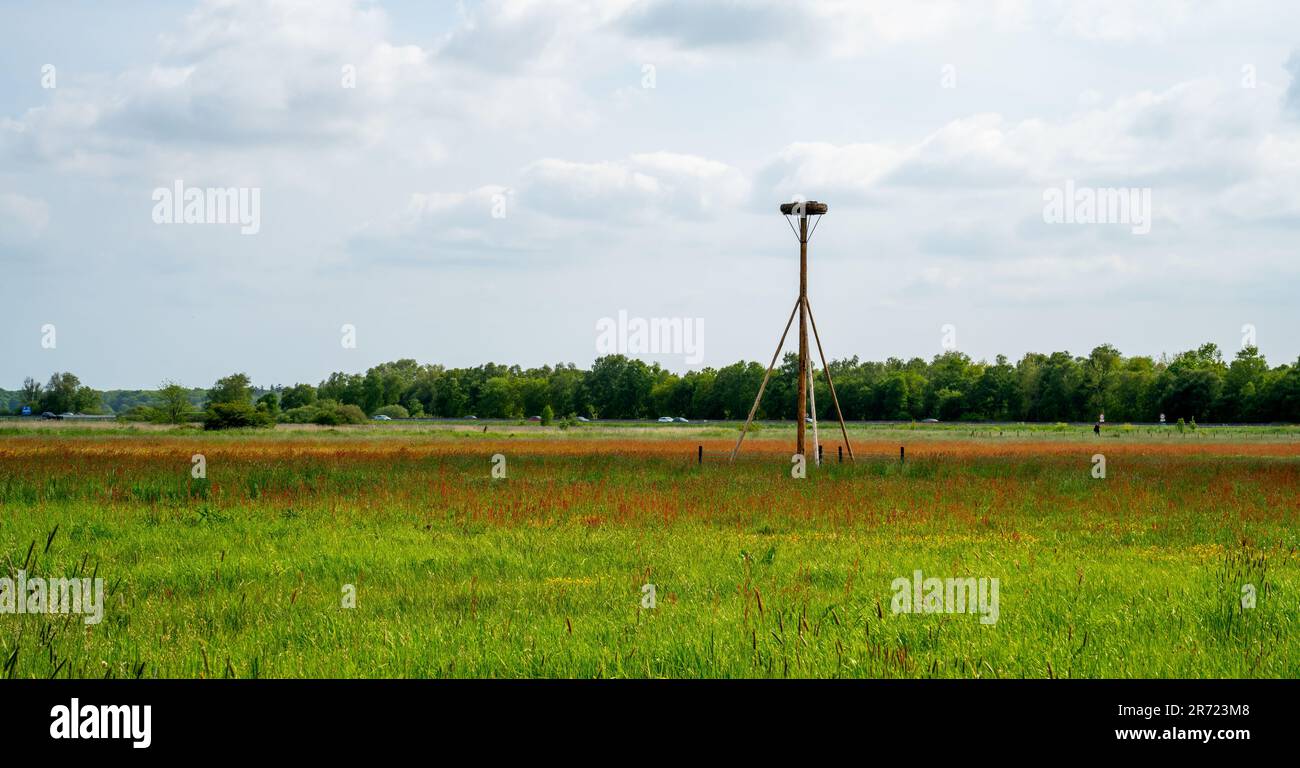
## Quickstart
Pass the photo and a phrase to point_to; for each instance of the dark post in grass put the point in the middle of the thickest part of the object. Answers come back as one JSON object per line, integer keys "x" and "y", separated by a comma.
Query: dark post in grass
{"x": 901, "y": 454}
{"x": 802, "y": 308}
{"x": 841, "y": 452}
{"x": 700, "y": 456}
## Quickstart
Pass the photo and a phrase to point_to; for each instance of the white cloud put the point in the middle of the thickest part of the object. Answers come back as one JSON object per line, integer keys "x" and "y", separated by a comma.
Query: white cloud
{"x": 646, "y": 186}
{"x": 22, "y": 218}
{"x": 613, "y": 190}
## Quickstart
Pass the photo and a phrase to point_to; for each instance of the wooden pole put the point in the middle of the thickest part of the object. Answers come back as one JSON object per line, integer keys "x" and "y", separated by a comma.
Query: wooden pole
{"x": 802, "y": 410}
{"x": 763, "y": 386}
{"x": 829, "y": 382}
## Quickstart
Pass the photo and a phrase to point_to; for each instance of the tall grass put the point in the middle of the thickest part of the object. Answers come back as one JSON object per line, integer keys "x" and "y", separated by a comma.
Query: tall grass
{"x": 241, "y": 574}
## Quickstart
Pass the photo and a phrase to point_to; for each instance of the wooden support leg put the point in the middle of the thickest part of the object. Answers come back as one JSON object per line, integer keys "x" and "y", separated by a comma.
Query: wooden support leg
{"x": 831, "y": 384}
{"x": 763, "y": 386}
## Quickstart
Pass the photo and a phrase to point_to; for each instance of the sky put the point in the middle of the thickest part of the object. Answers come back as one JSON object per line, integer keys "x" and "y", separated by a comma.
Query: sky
{"x": 462, "y": 183}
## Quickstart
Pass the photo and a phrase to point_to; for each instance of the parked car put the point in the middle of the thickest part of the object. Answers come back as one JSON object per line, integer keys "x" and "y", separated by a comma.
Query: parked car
{"x": 665, "y": 419}
{"x": 681, "y": 420}
{"x": 534, "y": 418}
{"x": 382, "y": 417}
{"x": 472, "y": 417}
{"x": 929, "y": 421}
{"x": 49, "y": 415}
{"x": 583, "y": 418}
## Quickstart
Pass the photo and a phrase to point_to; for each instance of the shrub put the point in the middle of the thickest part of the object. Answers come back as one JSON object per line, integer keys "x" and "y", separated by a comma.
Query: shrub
{"x": 304, "y": 414}
{"x": 351, "y": 414}
{"x": 235, "y": 416}
{"x": 548, "y": 415}
{"x": 332, "y": 415}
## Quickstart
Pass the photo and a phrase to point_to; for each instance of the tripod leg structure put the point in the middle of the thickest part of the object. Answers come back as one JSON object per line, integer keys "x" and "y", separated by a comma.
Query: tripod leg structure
{"x": 812, "y": 409}
{"x": 835, "y": 399}
{"x": 763, "y": 386}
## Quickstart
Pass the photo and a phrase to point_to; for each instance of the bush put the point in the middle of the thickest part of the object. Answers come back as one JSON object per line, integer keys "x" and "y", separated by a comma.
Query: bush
{"x": 235, "y": 416}
{"x": 548, "y": 415}
{"x": 333, "y": 415}
{"x": 393, "y": 412}
{"x": 304, "y": 414}
{"x": 351, "y": 414}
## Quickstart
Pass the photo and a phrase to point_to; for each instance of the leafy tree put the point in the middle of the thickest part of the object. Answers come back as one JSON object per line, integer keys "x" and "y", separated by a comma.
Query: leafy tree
{"x": 297, "y": 396}
{"x": 269, "y": 403}
{"x": 31, "y": 392}
{"x": 498, "y": 400}
{"x": 173, "y": 405}
{"x": 452, "y": 400}
{"x": 235, "y": 389}
{"x": 230, "y": 415}
{"x": 65, "y": 394}
{"x": 1248, "y": 373}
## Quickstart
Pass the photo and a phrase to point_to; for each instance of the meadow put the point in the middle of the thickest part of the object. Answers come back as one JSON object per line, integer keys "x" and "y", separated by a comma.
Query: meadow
{"x": 247, "y": 572}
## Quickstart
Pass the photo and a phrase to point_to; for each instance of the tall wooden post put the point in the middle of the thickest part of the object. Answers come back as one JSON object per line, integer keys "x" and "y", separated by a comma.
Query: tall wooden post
{"x": 804, "y": 311}
{"x": 802, "y": 410}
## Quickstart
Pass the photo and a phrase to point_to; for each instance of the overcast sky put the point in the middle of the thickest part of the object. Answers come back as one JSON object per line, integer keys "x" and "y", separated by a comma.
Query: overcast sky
{"x": 505, "y": 174}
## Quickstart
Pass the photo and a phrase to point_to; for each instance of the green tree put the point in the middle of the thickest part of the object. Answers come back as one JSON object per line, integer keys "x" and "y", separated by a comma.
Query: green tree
{"x": 235, "y": 389}
{"x": 173, "y": 402}
{"x": 270, "y": 404}
{"x": 31, "y": 393}
{"x": 1241, "y": 384}
{"x": 231, "y": 415}
{"x": 1099, "y": 377}
{"x": 498, "y": 399}
{"x": 65, "y": 394}
{"x": 451, "y": 398}
{"x": 297, "y": 396}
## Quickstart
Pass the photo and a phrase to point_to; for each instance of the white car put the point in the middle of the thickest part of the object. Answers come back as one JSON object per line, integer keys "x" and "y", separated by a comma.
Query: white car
{"x": 583, "y": 418}
{"x": 665, "y": 419}
{"x": 382, "y": 417}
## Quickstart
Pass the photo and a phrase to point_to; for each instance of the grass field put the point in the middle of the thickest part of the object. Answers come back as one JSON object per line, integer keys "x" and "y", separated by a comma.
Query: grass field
{"x": 243, "y": 573}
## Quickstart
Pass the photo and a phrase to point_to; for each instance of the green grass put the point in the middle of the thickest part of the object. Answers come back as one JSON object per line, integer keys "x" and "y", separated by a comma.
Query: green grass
{"x": 756, "y": 574}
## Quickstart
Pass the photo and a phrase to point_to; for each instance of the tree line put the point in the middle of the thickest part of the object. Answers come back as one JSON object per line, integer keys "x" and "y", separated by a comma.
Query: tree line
{"x": 1198, "y": 384}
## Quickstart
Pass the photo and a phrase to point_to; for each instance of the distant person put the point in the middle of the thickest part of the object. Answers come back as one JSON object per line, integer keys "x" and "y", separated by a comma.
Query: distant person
{"x": 1096, "y": 429}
